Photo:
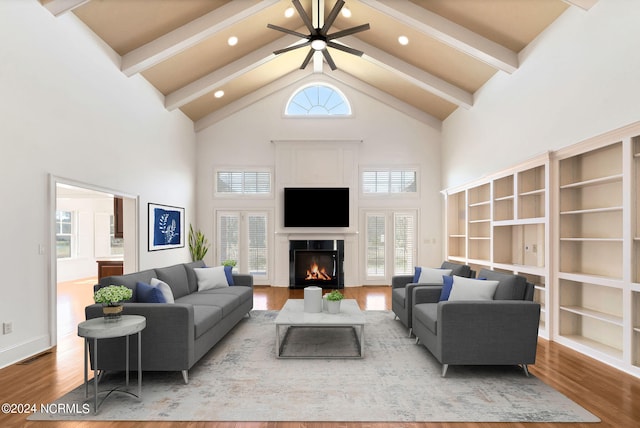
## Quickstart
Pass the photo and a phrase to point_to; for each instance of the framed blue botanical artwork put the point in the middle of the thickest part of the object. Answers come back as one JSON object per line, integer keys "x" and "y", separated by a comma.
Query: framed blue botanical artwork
{"x": 166, "y": 227}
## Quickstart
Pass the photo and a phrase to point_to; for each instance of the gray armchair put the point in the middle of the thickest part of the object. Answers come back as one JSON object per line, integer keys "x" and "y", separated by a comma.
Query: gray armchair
{"x": 503, "y": 331}
{"x": 402, "y": 286}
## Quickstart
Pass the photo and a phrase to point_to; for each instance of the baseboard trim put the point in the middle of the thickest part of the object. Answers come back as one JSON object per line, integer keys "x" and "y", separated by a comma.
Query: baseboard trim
{"x": 24, "y": 350}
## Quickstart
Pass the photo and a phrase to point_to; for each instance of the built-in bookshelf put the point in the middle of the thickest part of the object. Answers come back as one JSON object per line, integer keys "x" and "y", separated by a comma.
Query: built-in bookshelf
{"x": 597, "y": 247}
{"x": 500, "y": 223}
{"x": 569, "y": 221}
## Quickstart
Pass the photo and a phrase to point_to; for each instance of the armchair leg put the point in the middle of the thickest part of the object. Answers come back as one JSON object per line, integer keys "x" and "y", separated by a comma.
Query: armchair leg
{"x": 417, "y": 340}
{"x": 444, "y": 369}
{"x": 526, "y": 369}
{"x": 410, "y": 332}
{"x": 185, "y": 376}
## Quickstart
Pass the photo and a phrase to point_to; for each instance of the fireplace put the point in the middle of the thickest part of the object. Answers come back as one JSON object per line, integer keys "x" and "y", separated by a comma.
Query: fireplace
{"x": 316, "y": 262}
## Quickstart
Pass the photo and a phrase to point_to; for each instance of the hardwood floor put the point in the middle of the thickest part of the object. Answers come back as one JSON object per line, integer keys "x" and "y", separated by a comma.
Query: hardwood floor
{"x": 610, "y": 394}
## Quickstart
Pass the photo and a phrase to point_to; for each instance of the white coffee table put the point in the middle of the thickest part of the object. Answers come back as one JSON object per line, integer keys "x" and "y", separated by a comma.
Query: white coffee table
{"x": 293, "y": 315}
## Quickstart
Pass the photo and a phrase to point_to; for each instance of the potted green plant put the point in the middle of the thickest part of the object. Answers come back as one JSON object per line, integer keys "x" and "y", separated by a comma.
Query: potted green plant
{"x": 231, "y": 263}
{"x": 198, "y": 244}
{"x": 111, "y": 298}
{"x": 333, "y": 301}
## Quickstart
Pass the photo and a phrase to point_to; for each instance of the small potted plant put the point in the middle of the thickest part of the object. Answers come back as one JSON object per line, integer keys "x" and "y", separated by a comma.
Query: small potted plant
{"x": 111, "y": 298}
{"x": 333, "y": 301}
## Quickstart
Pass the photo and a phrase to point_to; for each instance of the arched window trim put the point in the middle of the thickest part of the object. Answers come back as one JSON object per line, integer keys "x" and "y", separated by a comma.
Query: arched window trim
{"x": 337, "y": 91}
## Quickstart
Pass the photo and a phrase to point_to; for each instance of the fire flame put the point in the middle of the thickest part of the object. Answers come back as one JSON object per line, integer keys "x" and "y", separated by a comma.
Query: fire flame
{"x": 317, "y": 273}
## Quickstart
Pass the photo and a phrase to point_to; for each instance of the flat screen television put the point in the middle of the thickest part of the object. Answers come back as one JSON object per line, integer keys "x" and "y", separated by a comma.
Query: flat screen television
{"x": 316, "y": 207}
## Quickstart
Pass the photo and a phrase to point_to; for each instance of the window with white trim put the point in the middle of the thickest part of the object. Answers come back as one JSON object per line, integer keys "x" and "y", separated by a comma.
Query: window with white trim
{"x": 385, "y": 181}
{"x": 230, "y": 182}
{"x": 390, "y": 243}
{"x": 242, "y": 236}
{"x": 64, "y": 234}
{"x": 318, "y": 99}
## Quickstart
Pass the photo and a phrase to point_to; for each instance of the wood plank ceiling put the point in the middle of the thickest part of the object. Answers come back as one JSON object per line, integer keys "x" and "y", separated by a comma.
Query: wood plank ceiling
{"x": 181, "y": 47}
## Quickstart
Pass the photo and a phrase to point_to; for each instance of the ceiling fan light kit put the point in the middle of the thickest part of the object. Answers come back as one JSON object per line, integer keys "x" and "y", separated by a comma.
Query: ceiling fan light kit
{"x": 319, "y": 38}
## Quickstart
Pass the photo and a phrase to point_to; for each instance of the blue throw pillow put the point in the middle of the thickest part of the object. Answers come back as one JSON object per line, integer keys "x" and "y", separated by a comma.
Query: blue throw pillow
{"x": 228, "y": 273}
{"x": 447, "y": 285}
{"x": 416, "y": 275}
{"x": 148, "y": 294}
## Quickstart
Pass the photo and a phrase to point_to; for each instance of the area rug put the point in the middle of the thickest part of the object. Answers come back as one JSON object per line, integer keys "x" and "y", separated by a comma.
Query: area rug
{"x": 241, "y": 379}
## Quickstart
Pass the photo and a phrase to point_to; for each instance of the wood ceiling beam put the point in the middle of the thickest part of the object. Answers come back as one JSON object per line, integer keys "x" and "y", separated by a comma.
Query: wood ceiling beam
{"x": 60, "y": 7}
{"x": 219, "y": 77}
{"x": 189, "y": 35}
{"x": 253, "y": 97}
{"x": 415, "y": 75}
{"x": 582, "y": 4}
{"x": 448, "y": 32}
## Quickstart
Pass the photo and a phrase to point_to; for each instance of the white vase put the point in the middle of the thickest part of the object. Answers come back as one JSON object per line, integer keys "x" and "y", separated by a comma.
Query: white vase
{"x": 333, "y": 306}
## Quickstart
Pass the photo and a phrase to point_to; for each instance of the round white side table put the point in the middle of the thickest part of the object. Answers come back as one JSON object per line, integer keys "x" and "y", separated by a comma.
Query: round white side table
{"x": 97, "y": 328}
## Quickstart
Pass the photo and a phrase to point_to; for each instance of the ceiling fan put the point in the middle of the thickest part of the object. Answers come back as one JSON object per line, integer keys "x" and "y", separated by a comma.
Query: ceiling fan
{"x": 319, "y": 38}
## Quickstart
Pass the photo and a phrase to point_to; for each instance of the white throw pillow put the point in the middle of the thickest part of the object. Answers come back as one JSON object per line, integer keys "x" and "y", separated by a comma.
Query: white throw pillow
{"x": 472, "y": 289}
{"x": 213, "y": 277}
{"x": 432, "y": 276}
{"x": 164, "y": 288}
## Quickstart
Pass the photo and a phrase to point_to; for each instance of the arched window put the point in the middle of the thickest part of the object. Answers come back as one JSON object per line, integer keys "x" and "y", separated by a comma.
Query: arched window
{"x": 318, "y": 99}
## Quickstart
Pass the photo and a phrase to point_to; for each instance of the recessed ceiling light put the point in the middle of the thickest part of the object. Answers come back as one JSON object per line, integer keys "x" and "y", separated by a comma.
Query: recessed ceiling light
{"x": 232, "y": 41}
{"x": 346, "y": 12}
{"x": 403, "y": 40}
{"x": 289, "y": 12}
{"x": 219, "y": 94}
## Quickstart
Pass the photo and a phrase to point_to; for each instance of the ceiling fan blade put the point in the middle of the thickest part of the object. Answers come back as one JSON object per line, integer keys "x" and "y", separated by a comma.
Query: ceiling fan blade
{"x": 286, "y": 30}
{"x": 304, "y": 16}
{"x": 307, "y": 59}
{"x": 348, "y": 31}
{"x": 332, "y": 17}
{"x": 290, "y": 48}
{"x": 344, "y": 48}
{"x": 327, "y": 56}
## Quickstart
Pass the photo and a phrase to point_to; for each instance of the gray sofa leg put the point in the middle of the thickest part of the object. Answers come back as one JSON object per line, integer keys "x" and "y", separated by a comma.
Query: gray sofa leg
{"x": 185, "y": 376}
{"x": 444, "y": 369}
{"x": 410, "y": 332}
{"x": 417, "y": 340}
{"x": 526, "y": 369}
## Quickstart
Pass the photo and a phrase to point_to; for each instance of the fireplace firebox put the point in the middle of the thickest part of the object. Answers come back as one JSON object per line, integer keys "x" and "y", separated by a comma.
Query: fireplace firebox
{"x": 318, "y": 262}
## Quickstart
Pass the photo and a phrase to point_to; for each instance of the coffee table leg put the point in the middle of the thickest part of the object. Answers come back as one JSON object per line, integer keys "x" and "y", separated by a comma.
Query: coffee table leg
{"x": 126, "y": 356}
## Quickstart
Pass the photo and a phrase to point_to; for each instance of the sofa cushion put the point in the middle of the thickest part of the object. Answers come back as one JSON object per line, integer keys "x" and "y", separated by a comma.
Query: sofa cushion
{"x": 399, "y": 295}
{"x": 213, "y": 277}
{"x": 146, "y": 293}
{"x": 243, "y": 292}
{"x": 226, "y": 302}
{"x": 176, "y": 277}
{"x": 472, "y": 289}
{"x": 164, "y": 289}
{"x": 204, "y": 318}
{"x": 427, "y": 314}
{"x": 129, "y": 280}
{"x": 192, "y": 280}
{"x": 510, "y": 287}
{"x": 457, "y": 269}
{"x": 432, "y": 276}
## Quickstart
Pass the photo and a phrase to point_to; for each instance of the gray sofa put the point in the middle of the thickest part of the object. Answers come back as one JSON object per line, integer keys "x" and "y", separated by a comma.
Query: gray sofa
{"x": 503, "y": 331}
{"x": 177, "y": 334}
{"x": 402, "y": 291}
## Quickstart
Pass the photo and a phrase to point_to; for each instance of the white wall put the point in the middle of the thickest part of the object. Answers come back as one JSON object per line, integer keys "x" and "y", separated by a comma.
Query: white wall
{"x": 579, "y": 79}
{"x": 388, "y": 138}
{"x": 69, "y": 112}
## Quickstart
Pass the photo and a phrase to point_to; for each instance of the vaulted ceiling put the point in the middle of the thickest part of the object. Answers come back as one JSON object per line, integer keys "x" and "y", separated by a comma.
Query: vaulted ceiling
{"x": 182, "y": 48}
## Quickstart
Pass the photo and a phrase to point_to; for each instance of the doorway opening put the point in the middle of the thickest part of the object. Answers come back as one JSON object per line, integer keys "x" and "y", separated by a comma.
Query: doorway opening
{"x": 94, "y": 230}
